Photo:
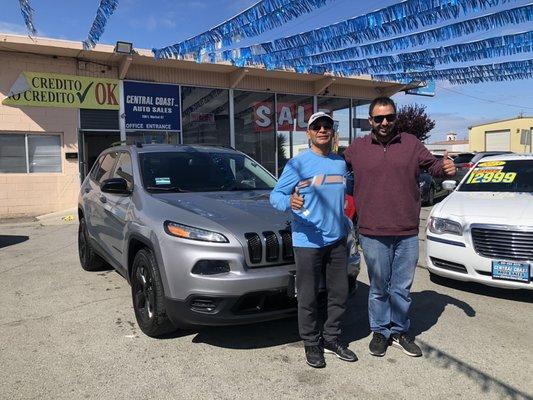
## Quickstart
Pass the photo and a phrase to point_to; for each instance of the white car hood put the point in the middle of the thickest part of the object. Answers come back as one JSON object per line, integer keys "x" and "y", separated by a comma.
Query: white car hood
{"x": 489, "y": 207}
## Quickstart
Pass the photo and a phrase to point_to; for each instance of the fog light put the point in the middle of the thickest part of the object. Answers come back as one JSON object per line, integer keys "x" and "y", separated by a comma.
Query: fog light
{"x": 210, "y": 267}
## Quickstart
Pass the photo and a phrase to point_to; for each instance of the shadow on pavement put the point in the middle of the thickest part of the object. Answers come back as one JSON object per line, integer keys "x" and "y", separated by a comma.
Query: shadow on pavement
{"x": 487, "y": 383}
{"x": 522, "y": 295}
{"x": 10, "y": 240}
{"x": 426, "y": 310}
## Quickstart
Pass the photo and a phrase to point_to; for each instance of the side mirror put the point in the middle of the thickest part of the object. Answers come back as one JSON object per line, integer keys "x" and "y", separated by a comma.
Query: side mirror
{"x": 449, "y": 185}
{"x": 115, "y": 185}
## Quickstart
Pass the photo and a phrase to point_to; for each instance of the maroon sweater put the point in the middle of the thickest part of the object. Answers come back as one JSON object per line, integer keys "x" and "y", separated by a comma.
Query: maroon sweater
{"x": 386, "y": 190}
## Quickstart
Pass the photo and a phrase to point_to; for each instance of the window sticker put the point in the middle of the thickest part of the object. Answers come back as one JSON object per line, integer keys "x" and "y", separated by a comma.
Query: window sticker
{"x": 162, "y": 181}
{"x": 491, "y": 164}
{"x": 484, "y": 176}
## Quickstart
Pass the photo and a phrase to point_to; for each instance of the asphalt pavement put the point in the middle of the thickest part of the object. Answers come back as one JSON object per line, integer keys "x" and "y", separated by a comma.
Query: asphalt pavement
{"x": 70, "y": 334}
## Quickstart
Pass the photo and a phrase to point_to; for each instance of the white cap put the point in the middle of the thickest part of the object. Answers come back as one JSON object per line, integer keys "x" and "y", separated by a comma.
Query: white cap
{"x": 317, "y": 115}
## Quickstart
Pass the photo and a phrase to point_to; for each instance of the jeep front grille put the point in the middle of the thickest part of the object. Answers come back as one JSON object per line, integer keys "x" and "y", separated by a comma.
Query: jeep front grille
{"x": 278, "y": 247}
{"x": 272, "y": 246}
{"x": 255, "y": 248}
{"x": 286, "y": 241}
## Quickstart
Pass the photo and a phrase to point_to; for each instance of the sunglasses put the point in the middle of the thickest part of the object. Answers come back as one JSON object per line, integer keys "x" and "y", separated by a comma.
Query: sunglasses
{"x": 379, "y": 118}
{"x": 326, "y": 125}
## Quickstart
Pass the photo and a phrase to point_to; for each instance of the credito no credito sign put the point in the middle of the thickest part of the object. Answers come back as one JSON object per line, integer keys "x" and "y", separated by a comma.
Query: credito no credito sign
{"x": 55, "y": 90}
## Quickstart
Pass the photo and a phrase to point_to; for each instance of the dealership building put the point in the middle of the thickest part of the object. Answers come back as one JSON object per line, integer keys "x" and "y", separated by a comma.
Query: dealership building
{"x": 60, "y": 106}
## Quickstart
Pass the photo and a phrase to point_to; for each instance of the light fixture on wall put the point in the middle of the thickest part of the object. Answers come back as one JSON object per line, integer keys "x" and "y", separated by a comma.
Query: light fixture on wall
{"x": 124, "y": 47}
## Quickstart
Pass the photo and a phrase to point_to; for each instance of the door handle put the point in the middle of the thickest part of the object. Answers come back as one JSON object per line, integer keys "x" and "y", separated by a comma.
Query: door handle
{"x": 103, "y": 199}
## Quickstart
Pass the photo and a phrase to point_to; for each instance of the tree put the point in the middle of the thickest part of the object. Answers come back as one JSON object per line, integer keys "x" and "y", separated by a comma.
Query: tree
{"x": 412, "y": 118}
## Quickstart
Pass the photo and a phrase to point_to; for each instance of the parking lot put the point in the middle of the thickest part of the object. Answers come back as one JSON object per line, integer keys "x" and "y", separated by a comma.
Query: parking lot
{"x": 70, "y": 334}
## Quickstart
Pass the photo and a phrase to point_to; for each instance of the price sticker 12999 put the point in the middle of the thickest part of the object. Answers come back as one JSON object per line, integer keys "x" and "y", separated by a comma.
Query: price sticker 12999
{"x": 491, "y": 177}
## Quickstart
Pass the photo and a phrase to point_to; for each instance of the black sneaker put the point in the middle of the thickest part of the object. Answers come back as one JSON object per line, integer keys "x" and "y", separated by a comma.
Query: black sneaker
{"x": 406, "y": 343}
{"x": 340, "y": 350}
{"x": 378, "y": 345}
{"x": 314, "y": 356}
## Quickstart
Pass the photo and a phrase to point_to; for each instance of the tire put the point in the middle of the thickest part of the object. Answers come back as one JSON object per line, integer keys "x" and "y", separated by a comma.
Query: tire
{"x": 147, "y": 295}
{"x": 89, "y": 260}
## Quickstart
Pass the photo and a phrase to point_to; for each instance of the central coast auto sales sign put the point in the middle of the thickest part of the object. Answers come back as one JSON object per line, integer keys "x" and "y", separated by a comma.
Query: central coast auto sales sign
{"x": 151, "y": 106}
{"x": 55, "y": 90}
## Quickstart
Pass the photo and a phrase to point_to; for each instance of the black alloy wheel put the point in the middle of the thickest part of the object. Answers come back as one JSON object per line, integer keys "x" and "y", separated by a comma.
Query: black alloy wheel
{"x": 147, "y": 295}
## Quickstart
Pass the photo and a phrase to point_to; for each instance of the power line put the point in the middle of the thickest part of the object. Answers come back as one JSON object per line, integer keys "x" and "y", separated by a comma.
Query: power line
{"x": 482, "y": 99}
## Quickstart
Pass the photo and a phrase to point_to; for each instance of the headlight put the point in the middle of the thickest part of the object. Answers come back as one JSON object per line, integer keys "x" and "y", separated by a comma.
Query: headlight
{"x": 189, "y": 232}
{"x": 441, "y": 225}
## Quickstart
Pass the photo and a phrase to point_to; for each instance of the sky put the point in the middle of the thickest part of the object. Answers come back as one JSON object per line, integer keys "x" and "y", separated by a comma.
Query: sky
{"x": 159, "y": 23}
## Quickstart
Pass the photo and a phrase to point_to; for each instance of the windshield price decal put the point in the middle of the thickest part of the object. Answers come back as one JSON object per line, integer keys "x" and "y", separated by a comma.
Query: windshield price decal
{"x": 491, "y": 164}
{"x": 491, "y": 177}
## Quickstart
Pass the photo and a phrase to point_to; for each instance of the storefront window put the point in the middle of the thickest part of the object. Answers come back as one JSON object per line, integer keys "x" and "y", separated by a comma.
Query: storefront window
{"x": 254, "y": 127}
{"x": 360, "y": 118}
{"x": 339, "y": 109}
{"x": 30, "y": 153}
{"x": 205, "y": 115}
{"x": 292, "y": 114}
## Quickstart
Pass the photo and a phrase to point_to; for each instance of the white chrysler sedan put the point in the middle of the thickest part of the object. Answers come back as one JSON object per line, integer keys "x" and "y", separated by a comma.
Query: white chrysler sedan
{"x": 483, "y": 231}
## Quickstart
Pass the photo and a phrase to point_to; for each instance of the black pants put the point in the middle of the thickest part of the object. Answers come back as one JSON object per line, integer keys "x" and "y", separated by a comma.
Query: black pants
{"x": 311, "y": 264}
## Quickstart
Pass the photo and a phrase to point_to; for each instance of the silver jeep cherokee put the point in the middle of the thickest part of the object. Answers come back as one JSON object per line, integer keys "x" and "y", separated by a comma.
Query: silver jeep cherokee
{"x": 192, "y": 230}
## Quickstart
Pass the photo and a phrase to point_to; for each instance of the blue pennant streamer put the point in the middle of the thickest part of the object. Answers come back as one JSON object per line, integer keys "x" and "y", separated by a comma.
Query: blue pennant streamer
{"x": 261, "y": 17}
{"x": 488, "y": 48}
{"x": 27, "y": 14}
{"x": 105, "y": 10}
{"x": 305, "y": 55}
{"x": 364, "y": 28}
{"x": 507, "y": 71}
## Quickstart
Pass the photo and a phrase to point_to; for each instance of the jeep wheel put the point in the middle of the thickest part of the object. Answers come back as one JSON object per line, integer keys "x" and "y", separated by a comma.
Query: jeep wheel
{"x": 89, "y": 260}
{"x": 147, "y": 295}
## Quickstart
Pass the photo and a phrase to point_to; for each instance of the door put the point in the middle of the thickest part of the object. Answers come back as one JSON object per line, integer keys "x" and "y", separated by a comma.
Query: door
{"x": 98, "y": 206}
{"x": 498, "y": 141}
{"x": 93, "y": 143}
{"x": 116, "y": 208}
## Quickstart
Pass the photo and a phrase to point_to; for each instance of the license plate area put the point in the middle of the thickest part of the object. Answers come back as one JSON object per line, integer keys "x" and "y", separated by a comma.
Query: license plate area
{"x": 511, "y": 271}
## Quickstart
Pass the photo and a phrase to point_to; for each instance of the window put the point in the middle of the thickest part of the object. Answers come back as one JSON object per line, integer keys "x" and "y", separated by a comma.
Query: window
{"x": 180, "y": 171}
{"x": 292, "y": 115}
{"x": 104, "y": 172}
{"x": 26, "y": 153}
{"x": 255, "y": 127}
{"x": 13, "y": 153}
{"x": 205, "y": 115}
{"x": 124, "y": 169}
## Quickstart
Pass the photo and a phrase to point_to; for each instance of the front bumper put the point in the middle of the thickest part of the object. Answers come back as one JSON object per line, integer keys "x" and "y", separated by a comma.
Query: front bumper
{"x": 459, "y": 261}
{"x": 216, "y": 308}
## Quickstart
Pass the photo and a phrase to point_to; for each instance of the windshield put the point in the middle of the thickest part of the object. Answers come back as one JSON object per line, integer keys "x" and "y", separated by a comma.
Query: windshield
{"x": 202, "y": 172}
{"x": 500, "y": 176}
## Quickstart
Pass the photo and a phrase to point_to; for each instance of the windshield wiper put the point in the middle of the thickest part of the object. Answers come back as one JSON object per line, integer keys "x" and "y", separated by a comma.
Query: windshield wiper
{"x": 166, "y": 188}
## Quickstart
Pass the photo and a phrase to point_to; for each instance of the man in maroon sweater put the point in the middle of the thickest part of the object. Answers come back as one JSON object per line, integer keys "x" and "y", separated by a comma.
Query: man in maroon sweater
{"x": 386, "y": 167}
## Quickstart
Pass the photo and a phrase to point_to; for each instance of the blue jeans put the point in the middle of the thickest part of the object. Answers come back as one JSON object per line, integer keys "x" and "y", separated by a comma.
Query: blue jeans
{"x": 391, "y": 263}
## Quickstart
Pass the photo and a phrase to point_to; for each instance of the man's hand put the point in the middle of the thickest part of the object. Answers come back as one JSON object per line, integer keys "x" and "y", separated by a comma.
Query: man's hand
{"x": 297, "y": 201}
{"x": 448, "y": 167}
